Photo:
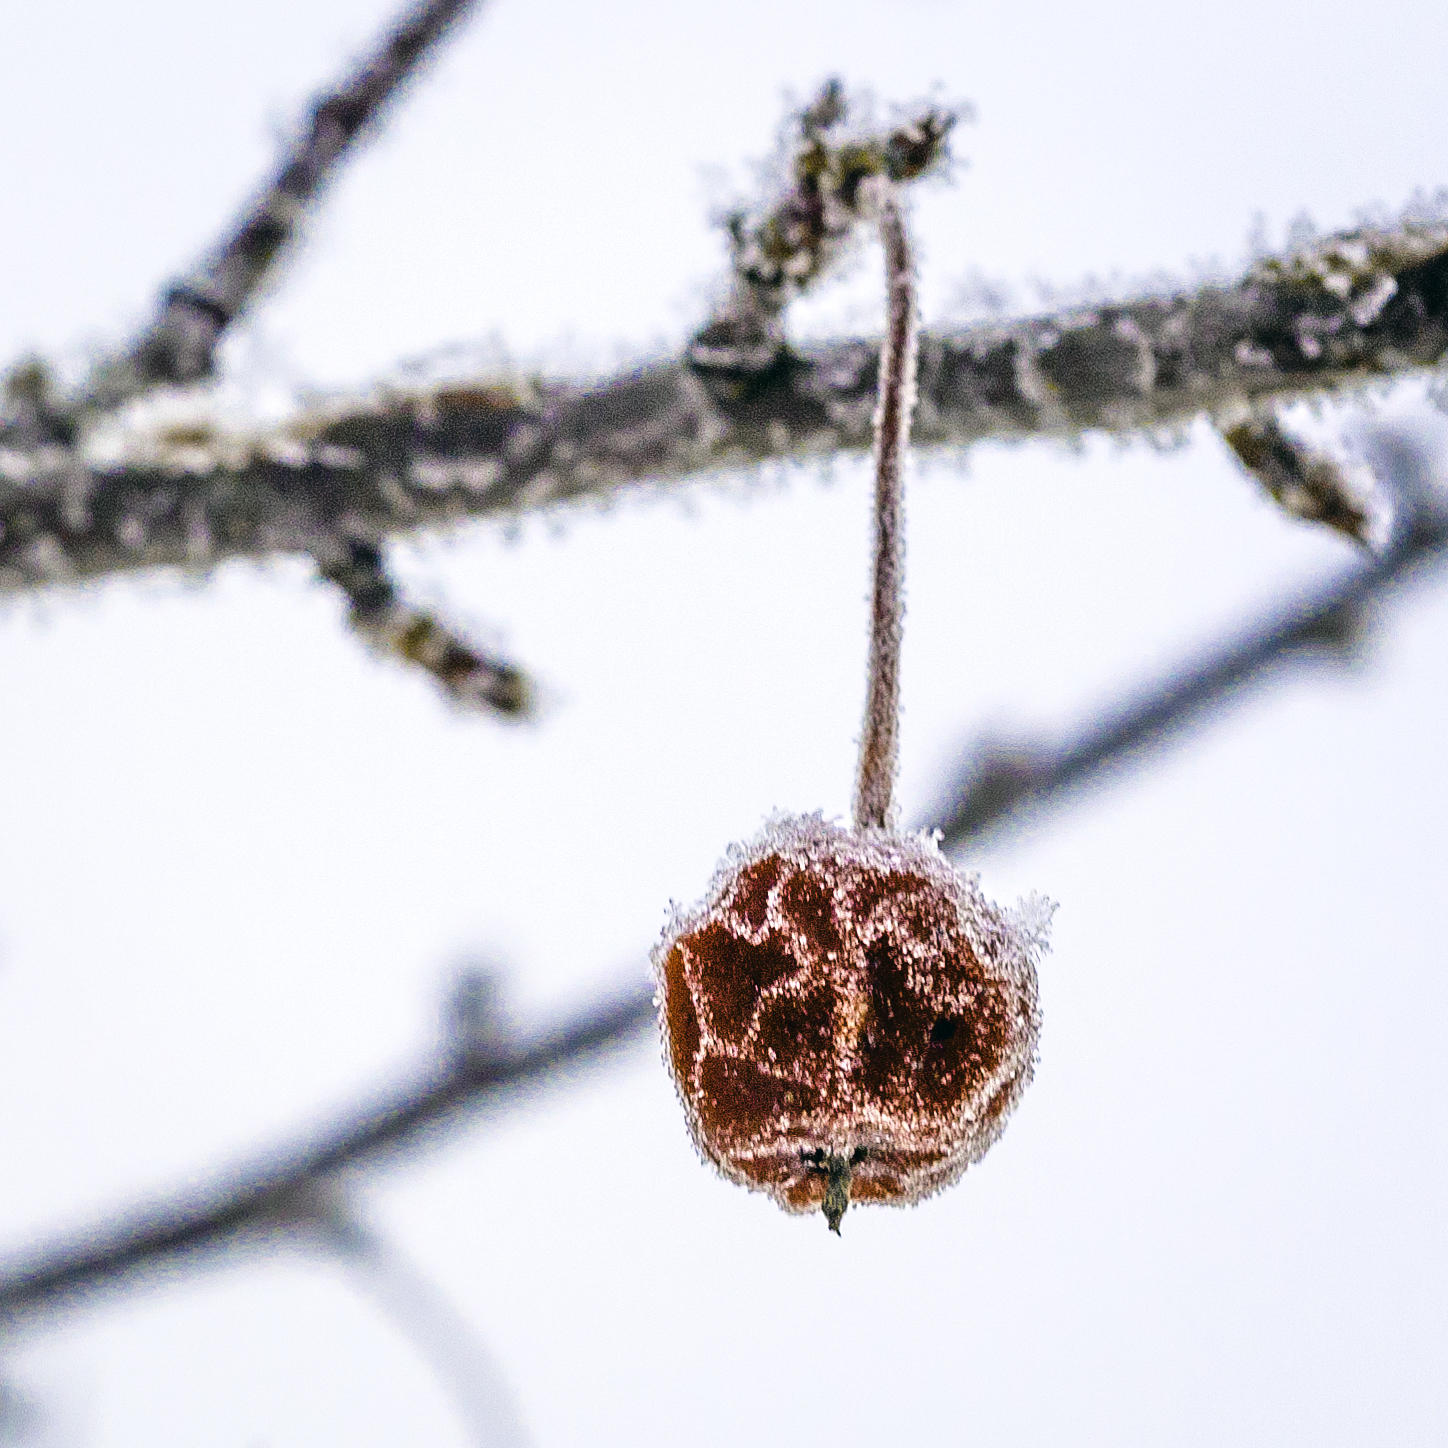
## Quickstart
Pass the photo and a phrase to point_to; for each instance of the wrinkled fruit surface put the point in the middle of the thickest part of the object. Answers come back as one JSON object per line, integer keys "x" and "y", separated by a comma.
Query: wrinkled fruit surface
{"x": 851, "y": 995}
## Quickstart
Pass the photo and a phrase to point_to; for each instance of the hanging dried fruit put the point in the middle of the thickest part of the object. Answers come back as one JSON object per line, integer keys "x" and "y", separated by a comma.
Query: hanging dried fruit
{"x": 845, "y": 1015}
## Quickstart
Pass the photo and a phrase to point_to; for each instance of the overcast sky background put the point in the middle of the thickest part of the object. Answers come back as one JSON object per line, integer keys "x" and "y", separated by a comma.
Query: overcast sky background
{"x": 239, "y": 857}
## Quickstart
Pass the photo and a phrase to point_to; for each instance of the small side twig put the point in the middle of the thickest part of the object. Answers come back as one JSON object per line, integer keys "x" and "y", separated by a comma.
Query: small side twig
{"x": 998, "y": 786}
{"x": 1302, "y": 482}
{"x": 880, "y": 738}
{"x": 397, "y": 629}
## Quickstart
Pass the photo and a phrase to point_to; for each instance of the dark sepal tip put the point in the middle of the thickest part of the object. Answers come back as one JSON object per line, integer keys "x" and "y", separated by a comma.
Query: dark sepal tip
{"x": 837, "y": 1191}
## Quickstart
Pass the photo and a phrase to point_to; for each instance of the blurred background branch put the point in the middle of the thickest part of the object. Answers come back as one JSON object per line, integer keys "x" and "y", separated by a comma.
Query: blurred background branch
{"x": 19, "y": 1416}
{"x": 427, "y": 1317}
{"x": 273, "y": 1201}
{"x": 1002, "y": 785}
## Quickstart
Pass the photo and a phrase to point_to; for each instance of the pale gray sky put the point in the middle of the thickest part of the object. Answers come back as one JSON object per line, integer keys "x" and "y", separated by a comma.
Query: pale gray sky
{"x": 238, "y": 856}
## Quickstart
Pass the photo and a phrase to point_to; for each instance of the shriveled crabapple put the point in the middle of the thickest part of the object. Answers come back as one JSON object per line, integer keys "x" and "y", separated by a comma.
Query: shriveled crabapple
{"x": 845, "y": 1015}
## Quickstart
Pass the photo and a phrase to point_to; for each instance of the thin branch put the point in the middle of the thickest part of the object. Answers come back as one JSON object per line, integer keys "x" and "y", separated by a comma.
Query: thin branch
{"x": 1000, "y": 786}
{"x": 880, "y": 737}
{"x": 402, "y": 462}
{"x": 179, "y": 345}
{"x": 273, "y": 1199}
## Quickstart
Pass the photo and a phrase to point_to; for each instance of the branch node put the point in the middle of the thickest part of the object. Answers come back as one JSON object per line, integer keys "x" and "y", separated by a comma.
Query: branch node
{"x": 781, "y": 252}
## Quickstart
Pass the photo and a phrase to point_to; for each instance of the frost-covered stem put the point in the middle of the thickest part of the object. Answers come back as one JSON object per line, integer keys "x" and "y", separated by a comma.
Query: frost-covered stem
{"x": 879, "y": 743}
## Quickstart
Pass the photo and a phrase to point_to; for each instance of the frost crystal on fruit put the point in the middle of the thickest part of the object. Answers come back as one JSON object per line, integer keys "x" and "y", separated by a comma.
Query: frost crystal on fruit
{"x": 845, "y": 997}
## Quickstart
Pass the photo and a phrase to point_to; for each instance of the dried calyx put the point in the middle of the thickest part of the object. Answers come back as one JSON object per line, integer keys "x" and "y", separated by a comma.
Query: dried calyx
{"x": 846, "y": 1017}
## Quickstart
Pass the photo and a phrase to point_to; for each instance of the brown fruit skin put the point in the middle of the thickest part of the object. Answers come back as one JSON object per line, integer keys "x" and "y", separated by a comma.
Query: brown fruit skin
{"x": 847, "y": 994}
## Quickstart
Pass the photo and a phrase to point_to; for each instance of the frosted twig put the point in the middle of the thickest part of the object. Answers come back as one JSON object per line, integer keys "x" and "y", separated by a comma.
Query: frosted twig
{"x": 880, "y": 738}
{"x": 275, "y": 1197}
{"x": 397, "y": 629}
{"x": 998, "y": 786}
{"x": 179, "y": 345}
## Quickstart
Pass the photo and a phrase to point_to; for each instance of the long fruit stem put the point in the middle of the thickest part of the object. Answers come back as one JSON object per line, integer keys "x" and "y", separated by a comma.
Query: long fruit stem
{"x": 879, "y": 743}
